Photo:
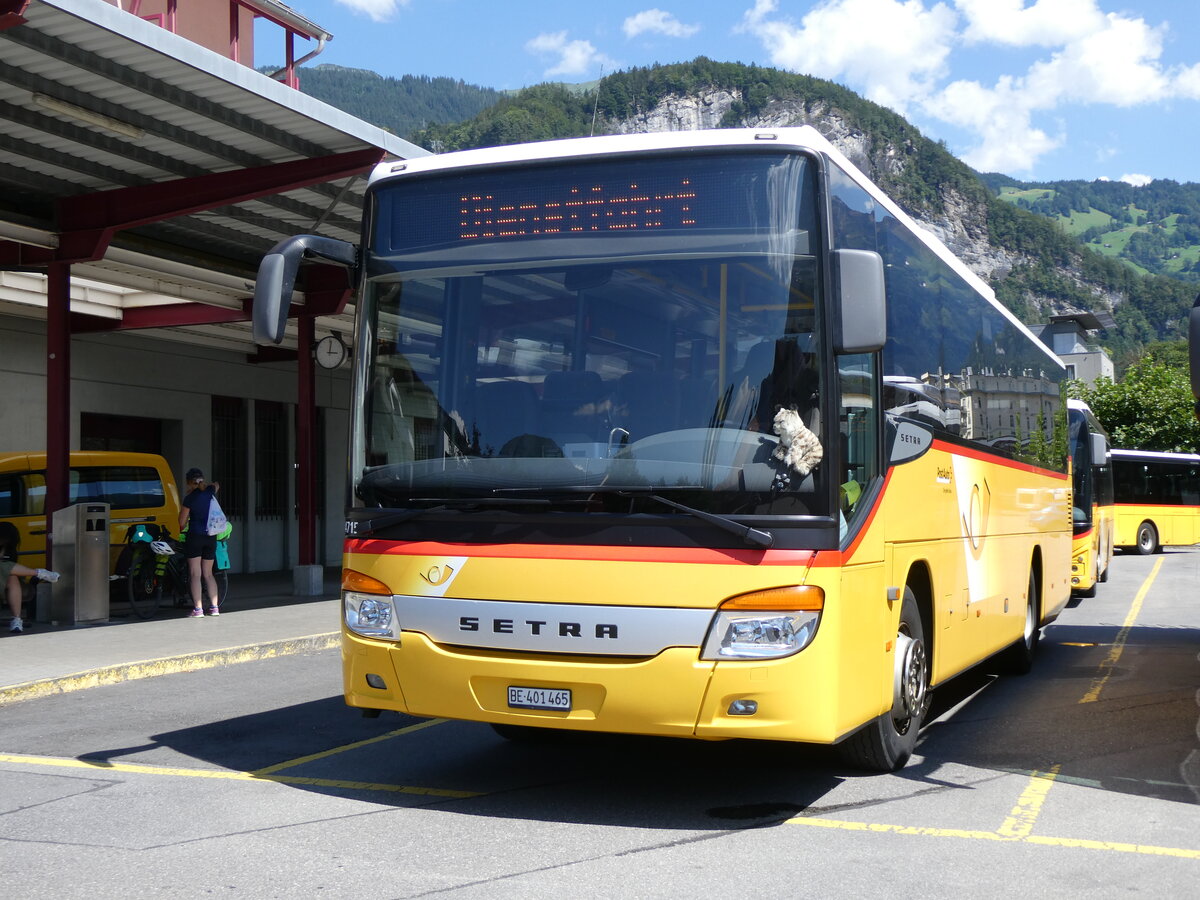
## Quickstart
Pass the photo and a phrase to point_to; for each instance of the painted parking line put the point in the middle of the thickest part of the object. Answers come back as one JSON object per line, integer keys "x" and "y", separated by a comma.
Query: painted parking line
{"x": 1018, "y": 826}
{"x": 1024, "y": 815}
{"x": 230, "y": 775}
{"x": 1074, "y": 843}
{"x": 1118, "y": 647}
{"x": 270, "y": 770}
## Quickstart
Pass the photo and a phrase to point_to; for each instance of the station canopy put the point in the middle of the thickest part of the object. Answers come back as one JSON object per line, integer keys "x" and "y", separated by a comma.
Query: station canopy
{"x": 162, "y": 171}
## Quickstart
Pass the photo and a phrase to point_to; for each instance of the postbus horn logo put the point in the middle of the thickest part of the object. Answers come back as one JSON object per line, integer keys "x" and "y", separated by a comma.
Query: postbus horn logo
{"x": 438, "y": 575}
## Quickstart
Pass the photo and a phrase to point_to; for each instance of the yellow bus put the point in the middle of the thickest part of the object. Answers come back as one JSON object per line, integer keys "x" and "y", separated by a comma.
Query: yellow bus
{"x": 139, "y": 488}
{"x": 1092, "y": 513}
{"x": 1157, "y": 499}
{"x": 690, "y": 434}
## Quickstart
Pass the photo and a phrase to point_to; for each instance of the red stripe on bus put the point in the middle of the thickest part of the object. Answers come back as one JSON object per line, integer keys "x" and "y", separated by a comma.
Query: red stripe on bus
{"x": 697, "y": 555}
{"x": 984, "y": 456}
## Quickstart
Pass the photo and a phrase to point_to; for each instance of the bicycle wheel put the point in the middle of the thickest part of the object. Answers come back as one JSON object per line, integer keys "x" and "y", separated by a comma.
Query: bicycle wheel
{"x": 222, "y": 576}
{"x": 143, "y": 583}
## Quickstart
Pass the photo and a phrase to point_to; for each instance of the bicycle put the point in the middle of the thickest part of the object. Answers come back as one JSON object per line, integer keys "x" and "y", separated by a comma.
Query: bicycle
{"x": 157, "y": 566}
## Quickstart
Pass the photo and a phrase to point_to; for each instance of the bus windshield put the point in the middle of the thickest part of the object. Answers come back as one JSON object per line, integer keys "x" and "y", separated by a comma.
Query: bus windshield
{"x": 586, "y": 333}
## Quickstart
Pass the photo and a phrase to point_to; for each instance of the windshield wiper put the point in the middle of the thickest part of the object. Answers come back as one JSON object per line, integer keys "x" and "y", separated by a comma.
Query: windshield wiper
{"x": 386, "y": 518}
{"x": 756, "y": 537}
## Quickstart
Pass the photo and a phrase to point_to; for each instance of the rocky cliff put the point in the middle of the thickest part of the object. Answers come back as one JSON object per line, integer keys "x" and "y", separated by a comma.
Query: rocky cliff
{"x": 960, "y": 220}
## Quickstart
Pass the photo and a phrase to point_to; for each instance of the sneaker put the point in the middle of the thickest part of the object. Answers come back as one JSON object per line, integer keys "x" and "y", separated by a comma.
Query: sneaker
{"x": 214, "y": 610}
{"x": 196, "y": 613}
{"x": 16, "y": 626}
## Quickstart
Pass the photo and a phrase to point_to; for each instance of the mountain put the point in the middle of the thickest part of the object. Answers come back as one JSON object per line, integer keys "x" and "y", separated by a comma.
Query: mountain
{"x": 1036, "y": 268}
{"x": 1155, "y": 227}
{"x": 401, "y": 105}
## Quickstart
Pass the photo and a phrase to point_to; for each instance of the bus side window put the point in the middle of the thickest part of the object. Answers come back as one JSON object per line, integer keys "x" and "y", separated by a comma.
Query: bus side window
{"x": 10, "y": 495}
{"x": 858, "y": 426}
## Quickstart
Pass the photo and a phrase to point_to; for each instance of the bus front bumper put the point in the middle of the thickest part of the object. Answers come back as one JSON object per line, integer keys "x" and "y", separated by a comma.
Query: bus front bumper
{"x": 673, "y": 694}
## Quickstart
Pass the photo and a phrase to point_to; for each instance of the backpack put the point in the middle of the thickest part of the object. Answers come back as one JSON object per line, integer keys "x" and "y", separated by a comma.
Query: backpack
{"x": 216, "y": 517}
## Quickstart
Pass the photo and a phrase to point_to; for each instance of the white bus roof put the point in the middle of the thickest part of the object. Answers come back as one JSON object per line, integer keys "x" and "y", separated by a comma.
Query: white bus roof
{"x": 1156, "y": 455}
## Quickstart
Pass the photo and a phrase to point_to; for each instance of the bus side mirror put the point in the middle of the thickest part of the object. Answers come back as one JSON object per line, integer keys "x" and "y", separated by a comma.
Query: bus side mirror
{"x": 1194, "y": 350}
{"x": 1099, "y": 449}
{"x": 277, "y": 279}
{"x": 861, "y": 323}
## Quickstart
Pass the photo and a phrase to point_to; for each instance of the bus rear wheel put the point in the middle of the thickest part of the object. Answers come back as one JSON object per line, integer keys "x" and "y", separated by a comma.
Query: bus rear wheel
{"x": 886, "y": 743}
{"x": 1147, "y": 539}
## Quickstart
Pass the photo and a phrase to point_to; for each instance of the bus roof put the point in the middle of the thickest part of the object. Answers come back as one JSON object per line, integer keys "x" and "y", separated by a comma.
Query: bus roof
{"x": 1156, "y": 455}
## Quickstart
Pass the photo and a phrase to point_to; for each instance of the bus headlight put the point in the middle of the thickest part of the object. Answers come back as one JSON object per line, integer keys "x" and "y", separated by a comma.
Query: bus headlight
{"x": 369, "y": 612}
{"x": 765, "y": 624}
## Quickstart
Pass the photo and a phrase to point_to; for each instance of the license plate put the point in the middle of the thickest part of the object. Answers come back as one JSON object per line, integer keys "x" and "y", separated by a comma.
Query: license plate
{"x": 539, "y": 698}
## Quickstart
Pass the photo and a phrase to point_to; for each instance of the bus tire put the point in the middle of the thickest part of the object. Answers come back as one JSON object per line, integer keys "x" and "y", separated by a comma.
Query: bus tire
{"x": 1147, "y": 539}
{"x": 886, "y": 743}
{"x": 1018, "y": 658}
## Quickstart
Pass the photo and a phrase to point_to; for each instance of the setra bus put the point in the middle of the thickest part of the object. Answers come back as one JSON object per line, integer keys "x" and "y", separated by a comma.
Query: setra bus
{"x": 1157, "y": 499}
{"x": 689, "y": 434}
{"x": 1092, "y": 499}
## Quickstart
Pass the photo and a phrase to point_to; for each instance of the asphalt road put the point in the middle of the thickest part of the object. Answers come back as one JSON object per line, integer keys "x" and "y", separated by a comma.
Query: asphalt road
{"x": 254, "y": 780}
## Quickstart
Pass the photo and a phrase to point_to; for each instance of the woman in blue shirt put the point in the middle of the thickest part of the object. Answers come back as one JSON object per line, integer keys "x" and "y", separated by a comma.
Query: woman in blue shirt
{"x": 199, "y": 547}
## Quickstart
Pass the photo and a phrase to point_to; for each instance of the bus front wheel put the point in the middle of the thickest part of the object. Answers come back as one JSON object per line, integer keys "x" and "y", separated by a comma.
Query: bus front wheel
{"x": 1018, "y": 659}
{"x": 886, "y": 743}
{"x": 1147, "y": 539}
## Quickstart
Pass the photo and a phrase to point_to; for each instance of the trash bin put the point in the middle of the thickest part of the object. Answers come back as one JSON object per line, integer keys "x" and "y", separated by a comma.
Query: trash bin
{"x": 80, "y": 535}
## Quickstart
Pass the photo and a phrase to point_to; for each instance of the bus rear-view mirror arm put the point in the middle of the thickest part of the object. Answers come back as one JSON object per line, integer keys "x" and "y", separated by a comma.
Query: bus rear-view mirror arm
{"x": 861, "y": 301}
{"x": 1194, "y": 351}
{"x": 277, "y": 279}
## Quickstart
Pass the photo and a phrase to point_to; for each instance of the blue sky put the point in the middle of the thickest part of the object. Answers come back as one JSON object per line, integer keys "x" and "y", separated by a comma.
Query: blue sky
{"x": 1041, "y": 90}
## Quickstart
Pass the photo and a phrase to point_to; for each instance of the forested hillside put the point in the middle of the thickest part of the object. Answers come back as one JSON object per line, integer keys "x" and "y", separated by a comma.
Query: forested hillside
{"x": 1153, "y": 227}
{"x": 401, "y": 105}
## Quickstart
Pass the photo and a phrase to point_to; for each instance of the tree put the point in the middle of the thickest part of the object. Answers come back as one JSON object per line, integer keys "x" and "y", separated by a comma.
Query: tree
{"x": 1151, "y": 408}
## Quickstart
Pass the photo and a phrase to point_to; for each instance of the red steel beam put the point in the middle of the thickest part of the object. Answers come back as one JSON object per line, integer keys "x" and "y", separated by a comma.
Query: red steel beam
{"x": 326, "y": 290}
{"x": 12, "y": 13}
{"x": 58, "y": 396}
{"x": 87, "y": 222}
{"x": 170, "y": 315}
{"x": 306, "y": 408}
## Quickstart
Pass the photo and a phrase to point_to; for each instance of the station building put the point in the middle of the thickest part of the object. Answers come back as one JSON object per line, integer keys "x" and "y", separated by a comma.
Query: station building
{"x": 145, "y": 168}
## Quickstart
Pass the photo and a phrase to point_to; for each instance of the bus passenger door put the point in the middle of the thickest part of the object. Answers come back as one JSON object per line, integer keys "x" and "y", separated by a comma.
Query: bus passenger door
{"x": 868, "y": 618}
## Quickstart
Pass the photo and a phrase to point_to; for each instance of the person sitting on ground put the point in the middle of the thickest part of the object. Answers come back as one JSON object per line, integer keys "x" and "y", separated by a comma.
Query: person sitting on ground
{"x": 11, "y": 573}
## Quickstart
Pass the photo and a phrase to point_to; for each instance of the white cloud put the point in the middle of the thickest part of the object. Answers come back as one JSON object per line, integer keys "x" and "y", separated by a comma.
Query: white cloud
{"x": 891, "y": 50}
{"x": 1045, "y": 23}
{"x": 897, "y": 53}
{"x": 657, "y": 22}
{"x": 1001, "y": 118}
{"x": 1117, "y": 64}
{"x": 1136, "y": 180}
{"x": 378, "y": 10}
{"x": 571, "y": 57}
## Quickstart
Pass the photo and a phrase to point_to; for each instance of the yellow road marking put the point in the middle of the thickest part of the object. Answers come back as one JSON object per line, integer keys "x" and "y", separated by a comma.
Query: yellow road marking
{"x": 874, "y": 827}
{"x": 1111, "y": 846}
{"x": 1023, "y": 816}
{"x": 230, "y": 775}
{"x": 336, "y": 750}
{"x": 1118, "y": 647}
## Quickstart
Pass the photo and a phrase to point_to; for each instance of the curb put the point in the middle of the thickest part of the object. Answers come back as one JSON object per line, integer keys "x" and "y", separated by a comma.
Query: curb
{"x": 189, "y": 662}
